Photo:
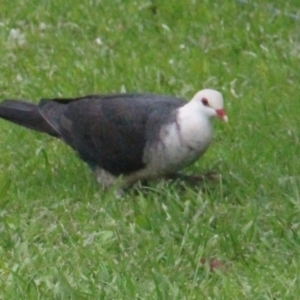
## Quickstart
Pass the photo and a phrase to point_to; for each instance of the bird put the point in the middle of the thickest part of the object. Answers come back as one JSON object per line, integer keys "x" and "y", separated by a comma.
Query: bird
{"x": 132, "y": 136}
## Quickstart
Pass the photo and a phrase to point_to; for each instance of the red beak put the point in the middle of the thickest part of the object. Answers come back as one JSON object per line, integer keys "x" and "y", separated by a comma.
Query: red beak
{"x": 222, "y": 114}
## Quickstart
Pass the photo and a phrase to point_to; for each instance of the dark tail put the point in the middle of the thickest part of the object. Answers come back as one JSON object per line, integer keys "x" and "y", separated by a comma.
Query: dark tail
{"x": 25, "y": 114}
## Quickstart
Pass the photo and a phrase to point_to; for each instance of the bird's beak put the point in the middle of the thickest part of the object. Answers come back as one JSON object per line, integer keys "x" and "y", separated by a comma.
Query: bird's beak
{"x": 222, "y": 114}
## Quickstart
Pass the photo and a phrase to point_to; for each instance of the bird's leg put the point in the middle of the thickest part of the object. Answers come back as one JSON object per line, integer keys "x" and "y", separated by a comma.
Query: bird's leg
{"x": 141, "y": 175}
{"x": 104, "y": 178}
{"x": 107, "y": 180}
{"x": 194, "y": 179}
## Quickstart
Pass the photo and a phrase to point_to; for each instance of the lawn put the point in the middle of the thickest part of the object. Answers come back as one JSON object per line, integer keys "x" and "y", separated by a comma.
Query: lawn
{"x": 62, "y": 237}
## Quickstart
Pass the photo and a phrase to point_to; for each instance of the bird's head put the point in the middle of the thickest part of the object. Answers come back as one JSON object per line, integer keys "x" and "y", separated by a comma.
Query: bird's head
{"x": 211, "y": 103}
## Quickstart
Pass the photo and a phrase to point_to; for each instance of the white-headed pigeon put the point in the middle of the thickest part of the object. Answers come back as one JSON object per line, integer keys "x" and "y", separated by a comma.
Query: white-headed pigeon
{"x": 135, "y": 136}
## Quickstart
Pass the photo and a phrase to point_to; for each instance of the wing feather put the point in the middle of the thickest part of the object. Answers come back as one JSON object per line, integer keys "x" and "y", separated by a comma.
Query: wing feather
{"x": 110, "y": 131}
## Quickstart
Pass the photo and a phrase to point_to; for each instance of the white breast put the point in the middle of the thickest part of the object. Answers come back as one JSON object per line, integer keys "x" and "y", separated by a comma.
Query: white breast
{"x": 180, "y": 143}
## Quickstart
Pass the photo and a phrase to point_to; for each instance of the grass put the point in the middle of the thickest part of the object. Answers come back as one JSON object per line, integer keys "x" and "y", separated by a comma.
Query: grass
{"x": 61, "y": 237}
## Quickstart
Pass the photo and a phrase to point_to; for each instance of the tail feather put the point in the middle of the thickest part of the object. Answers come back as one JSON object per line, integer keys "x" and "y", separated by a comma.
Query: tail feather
{"x": 25, "y": 114}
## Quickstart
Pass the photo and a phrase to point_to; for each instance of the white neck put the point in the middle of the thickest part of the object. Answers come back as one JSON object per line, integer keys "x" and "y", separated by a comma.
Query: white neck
{"x": 195, "y": 126}
{"x": 182, "y": 142}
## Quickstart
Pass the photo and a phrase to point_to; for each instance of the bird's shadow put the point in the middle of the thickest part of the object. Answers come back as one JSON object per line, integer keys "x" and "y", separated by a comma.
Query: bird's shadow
{"x": 180, "y": 181}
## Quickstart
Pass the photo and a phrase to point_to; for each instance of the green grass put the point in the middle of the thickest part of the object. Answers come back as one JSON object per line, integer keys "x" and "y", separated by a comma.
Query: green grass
{"x": 61, "y": 237}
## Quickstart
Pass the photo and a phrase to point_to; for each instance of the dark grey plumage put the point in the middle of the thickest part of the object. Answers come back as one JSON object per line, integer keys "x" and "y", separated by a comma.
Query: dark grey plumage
{"x": 25, "y": 114}
{"x": 107, "y": 131}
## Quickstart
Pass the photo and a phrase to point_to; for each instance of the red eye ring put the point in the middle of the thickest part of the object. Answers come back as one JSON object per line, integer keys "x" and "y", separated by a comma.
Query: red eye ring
{"x": 204, "y": 101}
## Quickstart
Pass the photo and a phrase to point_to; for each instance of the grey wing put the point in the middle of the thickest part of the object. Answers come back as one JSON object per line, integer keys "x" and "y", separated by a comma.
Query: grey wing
{"x": 104, "y": 134}
{"x": 109, "y": 131}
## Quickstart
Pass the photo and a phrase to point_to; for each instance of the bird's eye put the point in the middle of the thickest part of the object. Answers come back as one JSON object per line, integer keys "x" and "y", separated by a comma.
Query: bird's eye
{"x": 204, "y": 101}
